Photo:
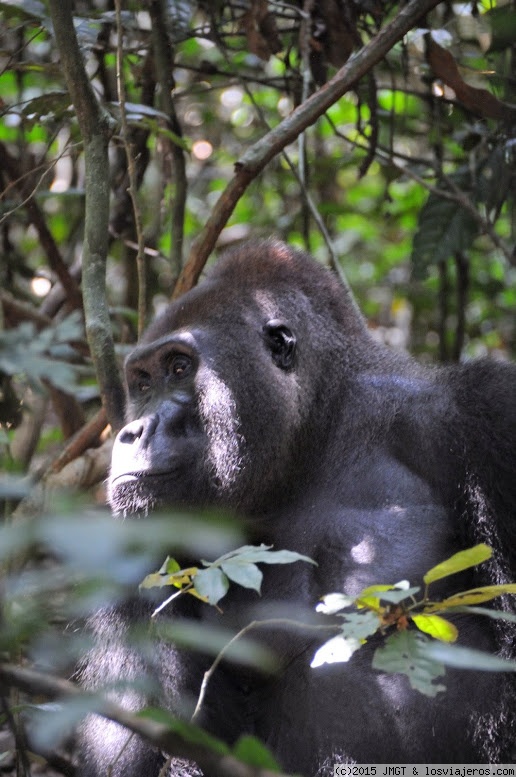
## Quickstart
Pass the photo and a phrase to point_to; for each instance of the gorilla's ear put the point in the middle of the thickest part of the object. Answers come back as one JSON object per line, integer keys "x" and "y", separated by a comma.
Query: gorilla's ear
{"x": 282, "y": 343}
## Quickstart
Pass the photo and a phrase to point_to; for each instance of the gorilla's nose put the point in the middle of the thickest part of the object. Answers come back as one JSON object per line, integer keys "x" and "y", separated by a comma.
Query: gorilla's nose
{"x": 140, "y": 430}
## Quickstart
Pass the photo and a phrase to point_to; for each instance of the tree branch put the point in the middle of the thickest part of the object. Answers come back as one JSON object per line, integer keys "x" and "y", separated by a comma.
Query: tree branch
{"x": 253, "y": 161}
{"x": 158, "y": 734}
{"x": 95, "y": 127}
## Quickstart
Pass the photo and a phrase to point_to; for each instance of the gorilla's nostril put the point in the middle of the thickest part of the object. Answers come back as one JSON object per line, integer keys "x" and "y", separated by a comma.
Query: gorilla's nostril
{"x": 130, "y": 433}
{"x": 139, "y": 430}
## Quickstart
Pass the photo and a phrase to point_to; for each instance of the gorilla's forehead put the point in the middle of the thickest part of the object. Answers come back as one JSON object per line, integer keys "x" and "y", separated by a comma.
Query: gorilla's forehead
{"x": 212, "y": 305}
{"x": 148, "y": 346}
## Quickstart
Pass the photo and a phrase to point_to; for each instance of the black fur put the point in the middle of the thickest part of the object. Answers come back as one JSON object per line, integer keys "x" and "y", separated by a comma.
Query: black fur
{"x": 261, "y": 390}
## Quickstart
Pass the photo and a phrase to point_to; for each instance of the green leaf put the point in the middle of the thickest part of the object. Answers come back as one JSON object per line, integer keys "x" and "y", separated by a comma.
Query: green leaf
{"x": 496, "y": 615}
{"x": 263, "y": 554}
{"x": 336, "y": 650}
{"x": 360, "y": 625}
{"x": 477, "y": 595}
{"x": 395, "y": 596}
{"x": 178, "y": 579}
{"x": 170, "y": 566}
{"x": 467, "y": 658}
{"x": 405, "y": 653}
{"x": 245, "y": 574}
{"x": 460, "y": 561}
{"x": 332, "y": 603}
{"x": 444, "y": 228}
{"x": 186, "y": 730}
{"x": 436, "y": 627}
{"x": 213, "y": 638}
{"x": 211, "y": 583}
{"x": 251, "y": 751}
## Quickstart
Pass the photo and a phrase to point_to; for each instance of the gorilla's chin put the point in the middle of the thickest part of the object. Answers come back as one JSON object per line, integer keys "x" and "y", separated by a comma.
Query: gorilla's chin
{"x": 130, "y": 498}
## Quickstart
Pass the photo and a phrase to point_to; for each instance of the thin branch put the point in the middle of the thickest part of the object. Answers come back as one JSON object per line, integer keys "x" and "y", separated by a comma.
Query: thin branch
{"x": 253, "y": 626}
{"x": 253, "y": 161}
{"x": 133, "y": 187}
{"x": 87, "y": 437}
{"x": 455, "y": 194}
{"x": 164, "y": 64}
{"x": 38, "y": 219}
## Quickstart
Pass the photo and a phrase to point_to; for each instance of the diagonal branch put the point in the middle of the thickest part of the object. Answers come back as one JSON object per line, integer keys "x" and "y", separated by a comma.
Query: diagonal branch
{"x": 160, "y": 735}
{"x": 253, "y": 161}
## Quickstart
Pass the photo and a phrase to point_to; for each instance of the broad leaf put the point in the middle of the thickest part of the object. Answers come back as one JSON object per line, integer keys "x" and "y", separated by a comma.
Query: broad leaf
{"x": 262, "y": 554}
{"x": 436, "y": 627}
{"x": 497, "y": 615}
{"x": 178, "y": 579}
{"x": 211, "y": 583}
{"x": 404, "y": 653}
{"x": 332, "y": 603}
{"x": 188, "y": 731}
{"x": 476, "y": 595}
{"x": 444, "y": 228}
{"x": 245, "y": 574}
{"x": 394, "y": 594}
{"x": 360, "y": 625}
{"x": 467, "y": 658}
{"x": 460, "y": 561}
{"x": 336, "y": 650}
{"x": 251, "y": 751}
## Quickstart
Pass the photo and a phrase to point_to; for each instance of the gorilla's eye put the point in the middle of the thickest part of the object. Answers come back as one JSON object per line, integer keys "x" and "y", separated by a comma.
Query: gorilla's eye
{"x": 281, "y": 342}
{"x": 142, "y": 381}
{"x": 180, "y": 365}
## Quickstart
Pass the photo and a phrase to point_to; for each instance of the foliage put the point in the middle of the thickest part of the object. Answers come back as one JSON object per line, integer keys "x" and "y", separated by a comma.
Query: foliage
{"x": 41, "y": 356}
{"x": 391, "y": 610}
{"x": 411, "y": 173}
{"x": 212, "y": 583}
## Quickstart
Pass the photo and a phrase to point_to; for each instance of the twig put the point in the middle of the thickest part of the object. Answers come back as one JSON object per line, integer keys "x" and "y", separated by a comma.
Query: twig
{"x": 85, "y": 438}
{"x": 164, "y": 63}
{"x": 284, "y": 622}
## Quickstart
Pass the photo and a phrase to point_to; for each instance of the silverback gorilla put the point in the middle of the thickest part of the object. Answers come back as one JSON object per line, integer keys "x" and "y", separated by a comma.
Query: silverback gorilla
{"x": 262, "y": 391}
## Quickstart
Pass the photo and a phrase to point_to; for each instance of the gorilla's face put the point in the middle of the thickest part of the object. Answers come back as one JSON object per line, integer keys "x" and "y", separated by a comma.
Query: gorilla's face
{"x": 233, "y": 386}
{"x": 214, "y": 402}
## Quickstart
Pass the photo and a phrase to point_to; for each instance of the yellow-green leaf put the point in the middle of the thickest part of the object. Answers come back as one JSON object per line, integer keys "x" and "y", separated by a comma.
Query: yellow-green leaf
{"x": 182, "y": 577}
{"x": 437, "y": 627}
{"x": 477, "y": 595}
{"x": 369, "y": 598}
{"x": 178, "y": 579}
{"x": 464, "y": 559}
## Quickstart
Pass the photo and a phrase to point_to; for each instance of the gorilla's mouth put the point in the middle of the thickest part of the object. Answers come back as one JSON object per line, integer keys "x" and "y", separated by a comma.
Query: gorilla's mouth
{"x": 133, "y": 477}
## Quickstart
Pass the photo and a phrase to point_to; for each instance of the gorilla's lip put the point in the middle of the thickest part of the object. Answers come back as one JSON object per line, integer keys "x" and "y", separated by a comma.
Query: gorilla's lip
{"x": 132, "y": 477}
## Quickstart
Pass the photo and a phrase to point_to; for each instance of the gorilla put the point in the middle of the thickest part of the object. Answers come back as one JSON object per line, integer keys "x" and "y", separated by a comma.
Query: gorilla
{"x": 261, "y": 391}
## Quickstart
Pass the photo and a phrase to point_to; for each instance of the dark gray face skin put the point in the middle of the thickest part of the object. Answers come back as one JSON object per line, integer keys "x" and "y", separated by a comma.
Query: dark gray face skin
{"x": 262, "y": 391}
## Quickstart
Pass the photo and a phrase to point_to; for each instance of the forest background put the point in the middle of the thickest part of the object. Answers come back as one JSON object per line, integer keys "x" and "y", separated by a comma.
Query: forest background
{"x": 140, "y": 138}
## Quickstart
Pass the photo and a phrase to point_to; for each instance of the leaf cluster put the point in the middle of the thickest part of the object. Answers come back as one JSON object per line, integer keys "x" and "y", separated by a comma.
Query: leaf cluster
{"x": 418, "y": 638}
{"x": 42, "y": 356}
{"x": 211, "y": 582}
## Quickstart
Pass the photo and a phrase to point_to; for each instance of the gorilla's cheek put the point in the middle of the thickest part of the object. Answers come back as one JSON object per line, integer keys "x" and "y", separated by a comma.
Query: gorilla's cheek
{"x": 221, "y": 422}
